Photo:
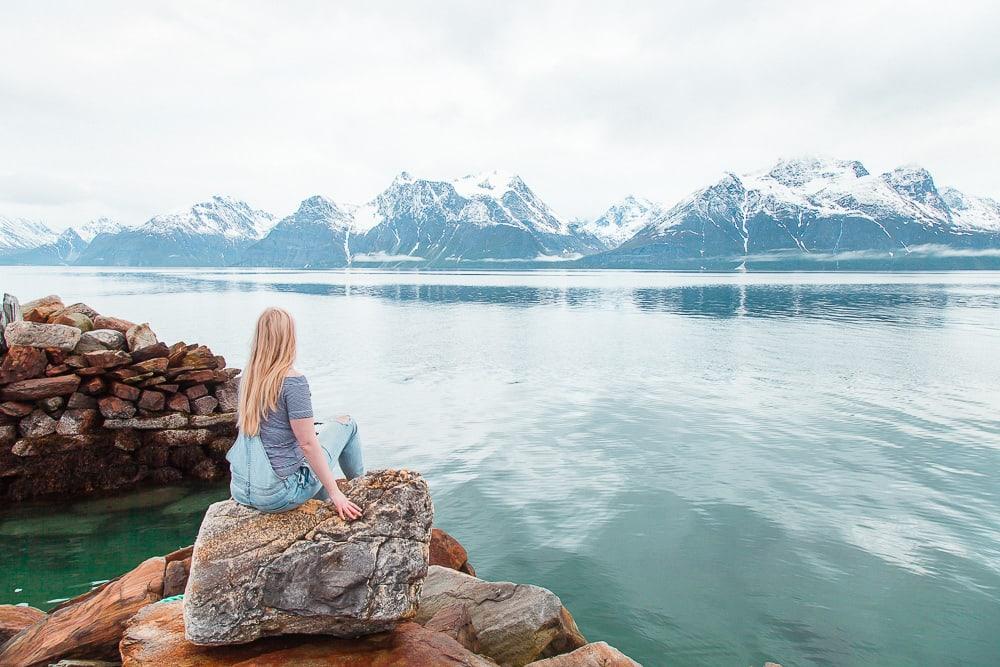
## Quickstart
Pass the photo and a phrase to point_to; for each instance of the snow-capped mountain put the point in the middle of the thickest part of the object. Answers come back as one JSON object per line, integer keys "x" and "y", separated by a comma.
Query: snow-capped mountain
{"x": 972, "y": 214}
{"x": 485, "y": 217}
{"x": 211, "y": 233}
{"x": 807, "y": 206}
{"x": 19, "y": 234}
{"x": 621, "y": 222}
{"x": 315, "y": 235}
{"x": 102, "y": 225}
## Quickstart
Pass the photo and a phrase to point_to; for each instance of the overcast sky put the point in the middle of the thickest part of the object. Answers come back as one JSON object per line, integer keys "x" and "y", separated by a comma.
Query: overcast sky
{"x": 131, "y": 109}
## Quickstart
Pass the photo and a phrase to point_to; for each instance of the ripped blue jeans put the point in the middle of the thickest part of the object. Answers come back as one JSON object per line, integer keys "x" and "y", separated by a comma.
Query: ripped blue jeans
{"x": 254, "y": 482}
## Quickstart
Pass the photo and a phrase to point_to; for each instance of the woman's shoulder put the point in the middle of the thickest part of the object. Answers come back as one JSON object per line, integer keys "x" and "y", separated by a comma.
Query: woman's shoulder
{"x": 294, "y": 375}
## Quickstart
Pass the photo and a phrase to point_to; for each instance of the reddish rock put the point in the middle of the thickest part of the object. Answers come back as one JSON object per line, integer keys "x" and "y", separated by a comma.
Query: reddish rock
{"x": 196, "y": 376}
{"x": 122, "y": 373}
{"x": 176, "y": 354}
{"x": 16, "y": 408}
{"x": 597, "y": 654}
{"x": 220, "y": 362}
{"x": 14, "y": 618}
{"x": 137, "y": 379}
{"x": 228, "y": 396}
{"x": 41, "y": 309}
{"x": 107, "y": 358}
{"x": 125, "y": 392}
{"x": 36, "y": 425}
{"x": 89, "y": 626}
{"x": 73, "y": 361}
{"x": 169, "y": 388}
{"x": 22, "y": 363}
{"x": 78, "y": 320}
{"x": 140, "y": 336}
{"x": 199, "y": 358}
{"x": 196, "y": 391}
{"x": 78, "y": 308}
{"x": 175, "y": 577}
{"x": 447, "y": 552}
{"x": 178, "y": 403}
{"x": 154, "y": 365}
{"x": 204, "y": 405}
{"x": 114, "y": 323}
{"x": 77, "y": 422}
{"x": 90, "y": 371}
{"x": 456, "y": 622}
{"x": 153, "y": 381}
{"x": 92, "y": 386}
{"x": 81, "y": 401}
{"x": 32, "y": 390}
{"x": 156, "y": 637}
{"x": 61, "y": 369}
{"x": 113, "y": 407}
{"x": 151, "y": 352}
{"x": 152, "y": 400}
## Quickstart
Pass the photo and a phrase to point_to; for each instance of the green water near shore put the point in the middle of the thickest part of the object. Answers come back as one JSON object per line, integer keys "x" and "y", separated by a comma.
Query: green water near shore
{"x": 709, "y": 470}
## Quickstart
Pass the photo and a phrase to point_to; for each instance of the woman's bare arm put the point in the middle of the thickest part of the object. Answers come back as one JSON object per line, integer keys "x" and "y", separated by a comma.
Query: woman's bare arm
{"x": 305, "y": 434}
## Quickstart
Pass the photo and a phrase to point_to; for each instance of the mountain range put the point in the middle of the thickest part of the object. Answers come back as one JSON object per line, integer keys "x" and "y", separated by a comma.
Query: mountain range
{"x": 799, "y": 213}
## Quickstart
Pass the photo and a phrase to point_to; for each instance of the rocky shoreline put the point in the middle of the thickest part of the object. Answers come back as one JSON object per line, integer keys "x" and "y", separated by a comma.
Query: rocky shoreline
{"x": 94, "y": 403}
{"x": 306, "y": 587}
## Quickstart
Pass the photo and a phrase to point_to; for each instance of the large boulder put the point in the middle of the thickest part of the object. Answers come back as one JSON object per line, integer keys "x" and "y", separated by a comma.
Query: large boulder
{"x": 516, "y": 623}
{"x": 33, "y": 334}
{"x": 155, "y": 637}
{"x": 308, "y": 571}
{"x": 14, "y": 618}
{"x": 89, "y": 626}
{"x": 598, "y": 654}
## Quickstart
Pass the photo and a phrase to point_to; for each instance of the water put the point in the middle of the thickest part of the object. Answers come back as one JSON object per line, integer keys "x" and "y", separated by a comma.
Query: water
{"x": 708, "y": 469}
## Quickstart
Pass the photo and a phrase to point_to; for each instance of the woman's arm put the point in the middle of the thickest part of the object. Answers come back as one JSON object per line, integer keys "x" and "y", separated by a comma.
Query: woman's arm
{"x": 305, "y": 434}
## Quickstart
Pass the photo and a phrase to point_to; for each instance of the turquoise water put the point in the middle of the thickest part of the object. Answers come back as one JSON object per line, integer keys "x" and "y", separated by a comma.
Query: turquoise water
{"x": 708, "y": 469}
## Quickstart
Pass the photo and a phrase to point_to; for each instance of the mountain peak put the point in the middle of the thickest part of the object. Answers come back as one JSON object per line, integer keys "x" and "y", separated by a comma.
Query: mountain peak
{"x": 492, "y": 184}
{"x": 797, "y": 171}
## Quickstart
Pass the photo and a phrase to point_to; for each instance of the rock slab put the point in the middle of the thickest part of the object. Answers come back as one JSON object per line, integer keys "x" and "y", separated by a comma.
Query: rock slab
{"x": 516, "y": 623}
{"x": 598, "y": 654}
{"x": 306, "y": 570}
{"x": 14, "y": 618}
{"x": 155, "y": 637}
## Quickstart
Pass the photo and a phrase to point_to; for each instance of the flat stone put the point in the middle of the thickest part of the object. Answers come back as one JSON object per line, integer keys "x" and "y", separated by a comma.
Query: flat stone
{"x": 308, "y": 571}
{"x": 149, "y": 423}
{"x": 125, "y": 392}
{"x": 107, "y": 358}
{"x": 196, "y": 391}
{"x": 36, "y": 425}
{"x": 61, "y": 369}
{"x": 77, "y": 422}
{"x": 155, "y": 637}
{"x": 597, "y": 654}
{"x": 33, "y": 334}
{"x": 140, "y": 336}
{"x": 151, "y": 352}
{"x": 217, "y": 419}
{"x": 113, "y": 407}
{"x": 38, "y": 388}
{"x": 517, "y": 623}
{"x": 22, "y": 363}
{"x": 16, "y": 408}
{"x": 195, "y": 376}
{"x": 180, "y": 437}
{"x": 179, "y": 403}
{"x": 14, "y": 618}
{"x": 114, "y": 323}
{"x": 204, "y": 405}
{"x": 154, "y": 365}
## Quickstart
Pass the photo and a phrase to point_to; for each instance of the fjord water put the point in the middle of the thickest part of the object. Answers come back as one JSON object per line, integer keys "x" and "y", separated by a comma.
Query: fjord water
{"x": 708, "y": 469}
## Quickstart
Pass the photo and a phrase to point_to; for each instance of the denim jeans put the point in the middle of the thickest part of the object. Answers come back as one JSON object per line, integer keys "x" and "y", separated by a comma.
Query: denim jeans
{"x": 254, "y": 482}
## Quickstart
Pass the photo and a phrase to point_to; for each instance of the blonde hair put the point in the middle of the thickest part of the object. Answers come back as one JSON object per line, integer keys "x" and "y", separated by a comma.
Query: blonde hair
{"x": 272, "y": 353}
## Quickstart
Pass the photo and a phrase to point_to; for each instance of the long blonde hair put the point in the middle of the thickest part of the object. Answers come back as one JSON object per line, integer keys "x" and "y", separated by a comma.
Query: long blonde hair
{"x": 272, "y": 353}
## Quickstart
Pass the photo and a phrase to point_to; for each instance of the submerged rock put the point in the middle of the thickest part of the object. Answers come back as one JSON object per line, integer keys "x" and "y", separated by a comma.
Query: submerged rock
{"x": 307, "y": 571}
{"x": 89, "y": 626}
{"x": 155, "y": 637}
{"x": 516, "y": 623}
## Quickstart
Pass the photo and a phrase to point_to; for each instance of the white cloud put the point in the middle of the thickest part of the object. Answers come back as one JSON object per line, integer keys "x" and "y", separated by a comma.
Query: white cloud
{"x": 131, "y": 109}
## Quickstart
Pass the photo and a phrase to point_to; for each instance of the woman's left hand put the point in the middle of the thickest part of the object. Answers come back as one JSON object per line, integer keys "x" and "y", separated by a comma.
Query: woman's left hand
{"x": 347, "y": 510}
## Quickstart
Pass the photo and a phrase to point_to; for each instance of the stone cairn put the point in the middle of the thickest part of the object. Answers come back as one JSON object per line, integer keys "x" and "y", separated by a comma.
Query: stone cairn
{"x": 90, "y": 402}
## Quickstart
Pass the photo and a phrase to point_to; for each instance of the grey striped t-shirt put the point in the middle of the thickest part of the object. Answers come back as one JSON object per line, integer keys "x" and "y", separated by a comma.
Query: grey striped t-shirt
{"x": 294, "y": 402}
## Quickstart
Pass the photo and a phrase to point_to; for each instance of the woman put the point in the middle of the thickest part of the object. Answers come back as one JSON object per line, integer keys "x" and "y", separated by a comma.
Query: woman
{"x": 277, "y": 462}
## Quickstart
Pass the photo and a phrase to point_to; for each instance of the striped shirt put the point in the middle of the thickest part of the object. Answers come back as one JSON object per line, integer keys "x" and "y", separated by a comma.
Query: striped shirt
{"x": 294, "y": 402}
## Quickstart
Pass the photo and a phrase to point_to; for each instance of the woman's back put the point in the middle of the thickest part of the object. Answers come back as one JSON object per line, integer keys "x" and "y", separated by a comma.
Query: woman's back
{"x": 294, "y": 402}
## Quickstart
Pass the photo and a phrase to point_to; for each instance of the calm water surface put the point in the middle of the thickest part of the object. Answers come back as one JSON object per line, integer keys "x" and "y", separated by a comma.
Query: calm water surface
{"x": 708, "y": 469}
